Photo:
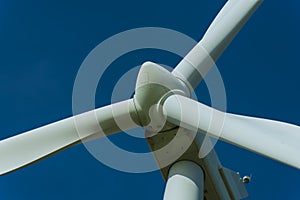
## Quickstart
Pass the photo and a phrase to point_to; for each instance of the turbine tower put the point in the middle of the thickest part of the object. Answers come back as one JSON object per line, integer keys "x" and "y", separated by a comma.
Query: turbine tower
{"x": 163, "y": 105}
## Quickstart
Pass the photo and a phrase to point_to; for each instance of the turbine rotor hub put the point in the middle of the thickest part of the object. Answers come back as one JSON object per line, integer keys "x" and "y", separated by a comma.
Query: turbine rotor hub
{"x": 154, "y": 85}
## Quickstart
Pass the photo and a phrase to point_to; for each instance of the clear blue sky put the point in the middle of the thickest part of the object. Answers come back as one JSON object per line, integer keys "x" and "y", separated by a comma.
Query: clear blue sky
{"x": 42, "y": 45}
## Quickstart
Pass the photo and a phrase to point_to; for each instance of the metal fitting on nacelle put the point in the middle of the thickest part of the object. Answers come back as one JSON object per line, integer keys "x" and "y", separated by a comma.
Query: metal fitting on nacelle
{"x": 246, "y": 179}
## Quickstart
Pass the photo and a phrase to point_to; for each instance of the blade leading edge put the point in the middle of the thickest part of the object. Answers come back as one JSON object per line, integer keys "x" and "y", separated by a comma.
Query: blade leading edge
{"x": 26, "y": 148}
{"x": 219, "y": 35}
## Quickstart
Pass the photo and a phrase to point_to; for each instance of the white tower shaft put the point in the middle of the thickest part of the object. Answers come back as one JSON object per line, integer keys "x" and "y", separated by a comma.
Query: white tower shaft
{"x": 185, "y": 181}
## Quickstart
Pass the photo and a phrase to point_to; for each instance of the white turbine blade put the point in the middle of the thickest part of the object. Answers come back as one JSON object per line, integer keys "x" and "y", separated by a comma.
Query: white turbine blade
{"x": 273, "y": 139}
{"x": 223, "y": 29}
{"x": 26, "y": 148}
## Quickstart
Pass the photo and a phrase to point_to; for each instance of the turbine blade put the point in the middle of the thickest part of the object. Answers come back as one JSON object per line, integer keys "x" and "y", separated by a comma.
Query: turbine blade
{"x": 273, "y": 139}
{"x": 29, "y": 147}
{"x": 223, "y": 29}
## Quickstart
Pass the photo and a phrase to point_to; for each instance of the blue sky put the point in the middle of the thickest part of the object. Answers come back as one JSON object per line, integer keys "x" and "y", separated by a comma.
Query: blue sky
{"x": 43, "y": 43}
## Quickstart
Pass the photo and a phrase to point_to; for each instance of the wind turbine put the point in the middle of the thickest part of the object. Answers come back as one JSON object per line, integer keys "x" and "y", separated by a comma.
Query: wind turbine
{"x": 19, "y": 157}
